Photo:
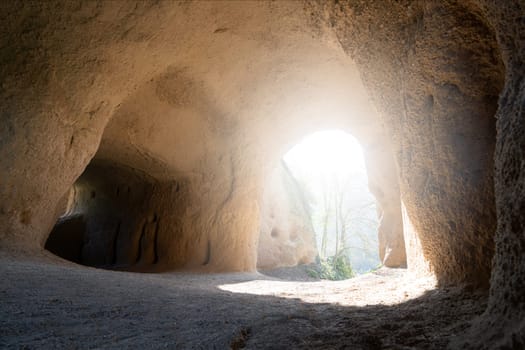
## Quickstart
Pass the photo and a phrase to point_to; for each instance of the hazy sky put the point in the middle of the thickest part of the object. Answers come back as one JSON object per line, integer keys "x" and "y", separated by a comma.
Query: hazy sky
{"x": 333, "y": 161}
{"x": 324, "y": 154}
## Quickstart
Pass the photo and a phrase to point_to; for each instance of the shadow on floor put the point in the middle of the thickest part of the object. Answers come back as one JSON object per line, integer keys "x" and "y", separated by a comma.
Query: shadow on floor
{"x": 55, "y": 306}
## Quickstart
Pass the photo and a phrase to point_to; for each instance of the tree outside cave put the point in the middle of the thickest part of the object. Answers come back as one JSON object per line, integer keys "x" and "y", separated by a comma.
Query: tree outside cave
{"x": 330, "y": 168}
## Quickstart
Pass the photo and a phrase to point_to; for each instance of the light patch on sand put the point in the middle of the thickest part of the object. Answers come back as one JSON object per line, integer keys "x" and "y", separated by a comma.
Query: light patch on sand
{"x": 384, "y": 287}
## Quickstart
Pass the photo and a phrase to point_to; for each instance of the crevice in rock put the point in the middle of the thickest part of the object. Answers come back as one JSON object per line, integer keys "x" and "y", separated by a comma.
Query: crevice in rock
{"x": 141, "y": 242}
{"x": 156, "y": 244}
{"x": 115, "y": 243}
{"x": 208, "y": 254}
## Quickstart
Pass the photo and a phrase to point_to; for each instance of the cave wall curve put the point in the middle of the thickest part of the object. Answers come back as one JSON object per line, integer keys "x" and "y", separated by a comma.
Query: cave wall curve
{"x": 115, "y": 86}
{"x": 440, "y": 74}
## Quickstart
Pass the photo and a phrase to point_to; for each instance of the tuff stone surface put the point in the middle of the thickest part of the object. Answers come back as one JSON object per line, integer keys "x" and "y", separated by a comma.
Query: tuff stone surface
{"x": 287, "y": 236}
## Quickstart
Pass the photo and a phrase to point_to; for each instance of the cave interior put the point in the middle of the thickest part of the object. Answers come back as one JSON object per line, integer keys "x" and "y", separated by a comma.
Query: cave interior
{"x": 142, "y": 137}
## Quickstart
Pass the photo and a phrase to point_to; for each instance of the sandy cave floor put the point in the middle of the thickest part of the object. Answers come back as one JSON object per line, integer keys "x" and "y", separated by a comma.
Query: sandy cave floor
{"x": 50, "y": 304}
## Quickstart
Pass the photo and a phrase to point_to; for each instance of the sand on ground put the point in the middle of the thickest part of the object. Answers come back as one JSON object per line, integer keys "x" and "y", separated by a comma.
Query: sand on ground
{"x": 50, "y": 303}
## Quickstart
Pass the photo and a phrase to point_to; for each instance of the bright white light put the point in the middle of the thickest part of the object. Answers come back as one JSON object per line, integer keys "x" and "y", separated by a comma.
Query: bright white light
{"x": 392, "y": 287}
{"x": 330, "y": 167}
{"x": 327, "y": 153}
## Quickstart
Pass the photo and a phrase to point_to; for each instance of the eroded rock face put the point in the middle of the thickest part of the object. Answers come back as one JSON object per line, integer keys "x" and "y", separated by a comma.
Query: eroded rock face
{"x": 287, "y": 235}
{"x": 438, "y": 93}
{"x": 183, "y": 93}
{"x": 502, "y": 325}
{"x": 383, "y": 184}
{"x": 109, "y": 211}
{"x": 440, "y": 74}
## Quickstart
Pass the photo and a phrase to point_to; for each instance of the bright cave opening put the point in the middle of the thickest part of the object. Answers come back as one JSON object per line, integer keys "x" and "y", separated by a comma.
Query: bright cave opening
{"x": 329, "y": 166}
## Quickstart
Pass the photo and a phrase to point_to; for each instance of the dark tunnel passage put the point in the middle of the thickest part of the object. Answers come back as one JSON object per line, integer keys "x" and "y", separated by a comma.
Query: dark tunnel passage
{"x": 106, "y": 221}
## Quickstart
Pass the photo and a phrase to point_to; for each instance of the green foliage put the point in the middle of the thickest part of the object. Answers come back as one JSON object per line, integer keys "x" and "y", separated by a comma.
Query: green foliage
{"x": 333, "y": 268}
{"x": 376, "y": 268}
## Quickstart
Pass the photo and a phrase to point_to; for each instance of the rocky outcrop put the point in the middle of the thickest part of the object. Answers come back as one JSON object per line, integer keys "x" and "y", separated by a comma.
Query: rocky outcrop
{"x": 435, "y": 72}
{"x": 446, "y": 78}
{"x": 384, "y": 185}
{"x": 502, "y": 325}
{"x": 287, "y": 237}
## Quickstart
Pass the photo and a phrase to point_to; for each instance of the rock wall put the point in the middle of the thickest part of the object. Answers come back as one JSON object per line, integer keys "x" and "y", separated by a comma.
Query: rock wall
{"x": 434, "y": 70}
{"x": 447, "y": 77}
{"x": 287, "y": 236}
{"x": 181, "y": 92}
{"x": 384, "y": 185}
{"x": 502, "y": 325}
{"x": 110, "y": 213}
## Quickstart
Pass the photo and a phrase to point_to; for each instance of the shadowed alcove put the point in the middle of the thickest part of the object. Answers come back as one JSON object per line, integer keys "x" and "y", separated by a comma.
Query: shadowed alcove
{"x": 107, "y": 221}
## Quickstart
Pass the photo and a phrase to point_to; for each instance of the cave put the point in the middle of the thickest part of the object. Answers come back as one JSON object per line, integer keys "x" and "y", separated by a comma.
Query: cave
{"x": 106, "y": 220}
{"x": 143, "y": 137}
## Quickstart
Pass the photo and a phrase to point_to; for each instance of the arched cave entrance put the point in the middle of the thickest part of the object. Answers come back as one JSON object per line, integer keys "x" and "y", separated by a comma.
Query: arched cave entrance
{"x": 318, "y": 208}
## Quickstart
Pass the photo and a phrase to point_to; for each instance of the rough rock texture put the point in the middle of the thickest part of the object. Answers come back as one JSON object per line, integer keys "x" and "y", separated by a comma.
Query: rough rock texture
{"x": 434, "y": 71}
{"x": 112, "y": 218}
{"x": 287, "y": 236}
{"x": 181, "y": 92}
{"x": 503, "y": 323}
{"x": 383, "y": 184}
{"x": 203, "y": 98}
